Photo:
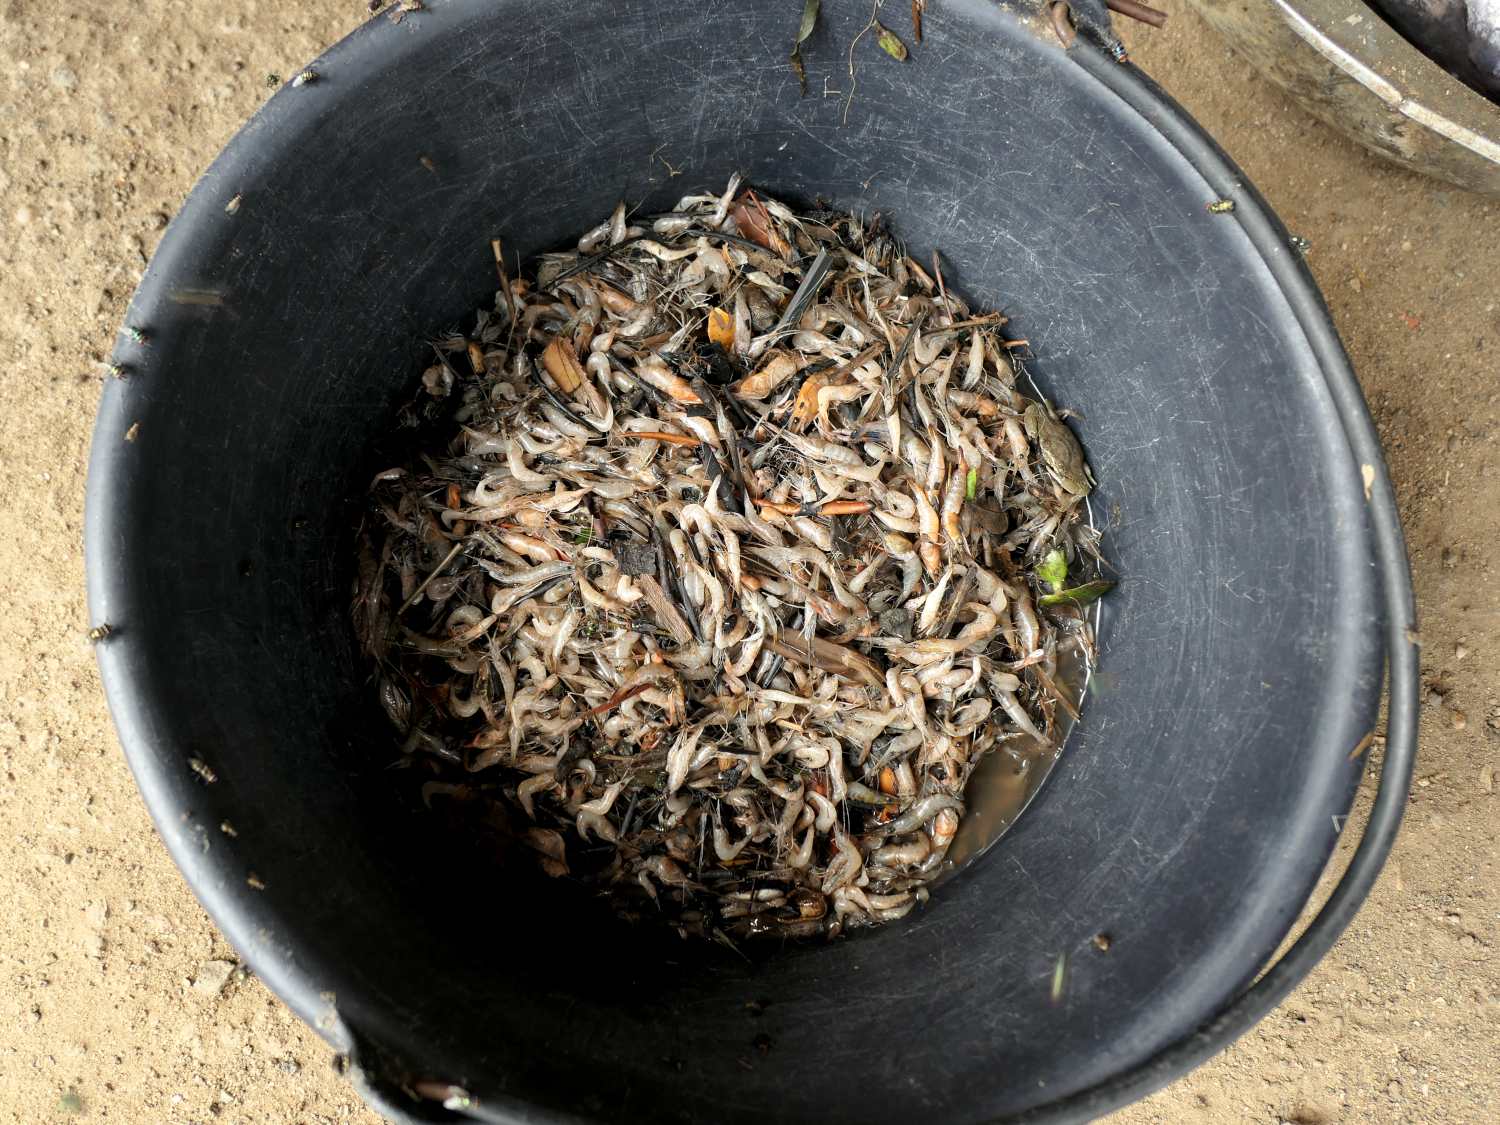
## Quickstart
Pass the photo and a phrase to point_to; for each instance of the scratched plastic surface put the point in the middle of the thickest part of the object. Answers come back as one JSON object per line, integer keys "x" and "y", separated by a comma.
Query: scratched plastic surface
{"x": 1197, "y": 800}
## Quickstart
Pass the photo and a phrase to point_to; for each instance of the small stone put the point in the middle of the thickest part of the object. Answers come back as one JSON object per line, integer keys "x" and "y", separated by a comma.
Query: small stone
{"x": 635, "y": 559}
{"x": 212, "y": 976}
{"x": 64, "y": 77}
{"x": 24, "y": 214}
{"x": 1459, "y": 720}
{"x": 897, "y": 622}
{"x": 1487, "y": 779}
{"x": 1460, "y": 651}
{"x": 1405, "y": 247}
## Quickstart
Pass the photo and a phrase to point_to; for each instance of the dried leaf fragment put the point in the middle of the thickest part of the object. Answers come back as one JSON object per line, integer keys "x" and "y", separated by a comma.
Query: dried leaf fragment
{"x": 561, "y": 362}
{"x": 1079, "y": 595}
{"x": 806, "y": 408}
{"x": 551, "y": 853}
{"x": 777, "y": 370}
{"x": 721, "y": 324}
{"x": 889, "y": 43}
{"x": 809, "y": 17}
{"x": 755, "y": 224}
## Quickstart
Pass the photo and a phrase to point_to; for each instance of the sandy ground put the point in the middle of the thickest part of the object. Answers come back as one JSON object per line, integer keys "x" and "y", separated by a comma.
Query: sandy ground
{"x": 114, "y": 1001}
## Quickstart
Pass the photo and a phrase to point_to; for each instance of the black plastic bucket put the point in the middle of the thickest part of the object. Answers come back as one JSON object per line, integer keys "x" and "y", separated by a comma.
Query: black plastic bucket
{"x": 1248, "y": 513}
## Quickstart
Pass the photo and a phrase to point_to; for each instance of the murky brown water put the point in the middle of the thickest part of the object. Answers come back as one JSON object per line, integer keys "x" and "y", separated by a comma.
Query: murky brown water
{"x": 1003, "y": 784}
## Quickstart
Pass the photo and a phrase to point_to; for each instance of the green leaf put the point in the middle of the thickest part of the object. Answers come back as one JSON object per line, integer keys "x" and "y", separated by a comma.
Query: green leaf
{"x": 809, "y": 17}
{"x": 1053, "y": 569}
{"x": 889, "y": 43}
{"x": 972, "y": 488}
{"x": 584, "y": 537}
{"x": 1079, "y": 595}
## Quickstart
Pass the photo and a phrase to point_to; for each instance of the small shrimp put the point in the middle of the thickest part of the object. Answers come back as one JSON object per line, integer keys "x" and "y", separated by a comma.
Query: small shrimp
{"x": 775, "y": 371}
{"x": 528, "y": 789}
{"x": 802, "y": 855}
{"x": 984, "y": 407}
{"x": 518, "y": 467}
{"x": 903, "y": 855}
{"x": 1020, "y": 451}
{"x": 668, "y": 383}
{"x": 530, "y": 548}
{"x": 763, "y": 510}
{"x": 1028, "y": 631}
{"x": 933, "y": 602}
{"x": 921, "y": 812}
{"x": 936, "y": 464}
{"x": 722, "y": 846}
{"x": 953, "y": 501}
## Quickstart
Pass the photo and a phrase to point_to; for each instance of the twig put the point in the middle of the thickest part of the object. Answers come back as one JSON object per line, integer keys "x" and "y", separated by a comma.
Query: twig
{"x": 937, "y": 268}
{"x": 987, "y": 318}
{"x": 853, "y": 82}
{"x": 1137, "y": 12}
{"x": 599, "y": 257}
{"x": 510, "y": 304}
{"x": 442, "y": 566}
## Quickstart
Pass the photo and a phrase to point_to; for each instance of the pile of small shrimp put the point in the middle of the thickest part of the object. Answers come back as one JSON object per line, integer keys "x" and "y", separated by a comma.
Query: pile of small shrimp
{"x": 729, "y": 548}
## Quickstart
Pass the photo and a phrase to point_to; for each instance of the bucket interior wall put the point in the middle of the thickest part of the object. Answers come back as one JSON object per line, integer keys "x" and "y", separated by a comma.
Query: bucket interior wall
{"x": 1192, "y": 811}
